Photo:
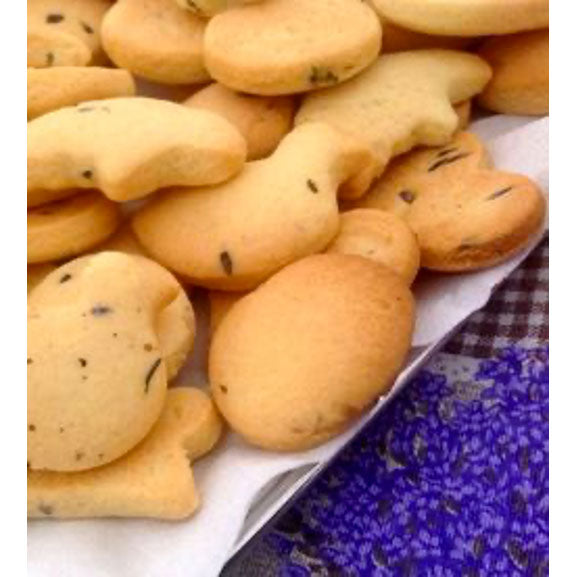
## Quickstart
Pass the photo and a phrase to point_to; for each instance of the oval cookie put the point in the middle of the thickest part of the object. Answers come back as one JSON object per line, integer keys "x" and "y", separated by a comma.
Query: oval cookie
{"x": 296, "y": 361}
{"x": 289, "y": 46}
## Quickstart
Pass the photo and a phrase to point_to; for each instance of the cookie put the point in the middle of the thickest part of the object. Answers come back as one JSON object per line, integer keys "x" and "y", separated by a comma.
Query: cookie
{"x": 520, "y": 83}
{"x": 96, "y": 375}
{"x": 278, "y": 210}
{"x": 465, "y": 18}
{"x": 69, "y": 227}
{"x": 263, "y": 121}
{"x": 208, "y": 8}
{"x": 290, "y": 46}
{"x": 49, "y": 48}
{"x": 465, "y": 214}
{"x": 37, "y": 273}
{"x": 401, "y": 101}
{"x": 397, "y": 39}
{"x": 380, "y": 236}
{"x": 153, "y": 480}
{"x": 176, "y": 323}
{"x": 65, "y": 32}
{"x": 157, "y": 40}
{"x": 296, "y": 361}
{"x": 53, "y": 88}
{"x": 220, "y": 303}
{"x": 129, "y": 147}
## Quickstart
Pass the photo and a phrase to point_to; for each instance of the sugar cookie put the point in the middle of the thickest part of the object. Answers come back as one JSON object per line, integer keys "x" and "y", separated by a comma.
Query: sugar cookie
{"x": 297, "y": 360}
{"x": 263, "y": 121}
{"x": 154, "y": 480}
{"x": 130, "y": 147}
{"x": 235, "y": 235}
{"x": 465, "y": 17}
{"x": 65, "y": 32}
{"x": 157, "y": 40}
{"x": 401, "y": 101}
{"x": 520, "y": 83}
{"x": 380, "y": 236}
{"x": 70, "y": 227}
{"x": 53, "y": 88}
{"x": 289, "y": 46}
{"x": 465, "y": 215}
{"x": 96, "y": 375}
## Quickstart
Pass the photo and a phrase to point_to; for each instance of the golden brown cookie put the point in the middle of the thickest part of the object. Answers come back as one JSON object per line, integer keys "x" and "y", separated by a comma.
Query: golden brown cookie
{"x": 220, "y": 303}
{"x": 465, "y": 214}
{"x": 277, "y": 210}
{"x": 157, "y": 40}
{"x": 520, "y": 83}
{"x": 380, "y": 236}
{"x": 299, "y": 359}
{"x": 69, "y": 227}
{"x": 263, "y": 121}
{"x": 153, "y": 480}
{"x": 53, "y": 88}
{"x": 290, "y": 46}
{"x": 96, "y": 374}
{"x": 402, "y": 101}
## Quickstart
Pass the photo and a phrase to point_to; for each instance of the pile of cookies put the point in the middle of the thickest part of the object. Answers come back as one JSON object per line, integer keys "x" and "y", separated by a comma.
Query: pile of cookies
{"x": 312, "y": 158}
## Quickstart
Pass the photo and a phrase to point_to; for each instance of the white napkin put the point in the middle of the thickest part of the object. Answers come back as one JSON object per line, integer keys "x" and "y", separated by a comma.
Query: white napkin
{"x": 230, "y": 477}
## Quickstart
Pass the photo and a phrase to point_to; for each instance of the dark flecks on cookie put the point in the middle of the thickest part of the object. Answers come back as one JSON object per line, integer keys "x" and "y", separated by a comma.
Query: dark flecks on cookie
{"x": 100, "y": 310}
{"x": 87, "y": 174}
{"x": 447, "y": 160}
{"x": 87, "y": 28}
{"x": 49, "y": 59}
{"x": 322, "y": 75}
{"x": 148, "y": 347}
{"x": 29, "y": 361}
{"x": 446, "y": 151}
{"x": 61, "y": 430}
{"x": 79, "y": 455}
{"x": 46, "y": 509}
{"x": 408, "y": 196}
{"x": 101, "y": 456}
{"x": 223, "y": 389}
{"x": 499, "y": 193}
{"x": 226, "y": 262}
{"x": 83, "y": 362}
{"x": 312, "y": 185}
{"x": 54, "y": 18}
{"x": 150, "y": 374}
{"x": 65, "y": 278}
{"x": 467, "y": 244}
{"x": 31, "y": 428}
{"x": 115, "y": 335}
{"x": 192, "y": 5}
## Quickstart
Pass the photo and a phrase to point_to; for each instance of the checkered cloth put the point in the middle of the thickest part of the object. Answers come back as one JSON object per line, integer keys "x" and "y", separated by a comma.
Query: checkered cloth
{"x": 517, "y": 314}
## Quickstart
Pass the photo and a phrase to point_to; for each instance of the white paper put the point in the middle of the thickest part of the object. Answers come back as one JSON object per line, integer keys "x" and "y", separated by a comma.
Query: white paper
{"x": 229, "y": 478}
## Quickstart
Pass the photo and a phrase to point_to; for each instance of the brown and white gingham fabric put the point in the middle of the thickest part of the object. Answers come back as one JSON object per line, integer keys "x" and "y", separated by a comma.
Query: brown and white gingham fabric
{"x": 517, "y": 314}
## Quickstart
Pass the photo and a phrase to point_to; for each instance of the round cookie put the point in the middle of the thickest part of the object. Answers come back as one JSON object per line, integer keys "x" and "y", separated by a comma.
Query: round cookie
{"x": 263, "y": 121}
{"x": 57, "y": 29}
{"x": 96, "y": 376}
{"x": 157, "y": 40}
{"x": 296, "y": 361}
{"x": 277, "y": 210}
{"x": 37, "y": 273}
{"x": 380, "y": 236}
{"x": 520, "y": 83}
{"x": 53, "y": 88}
{"x": 129, "y": 147}
{"x": 465, "y": 17}
{"x": 176, "y": 324}
{"x": 290, "y": 46}
{"x": 208, "y": 8}
{"x": 70, "y": 227}
{"x": 465, "y": 215}
{"x": 403, "y": 100}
